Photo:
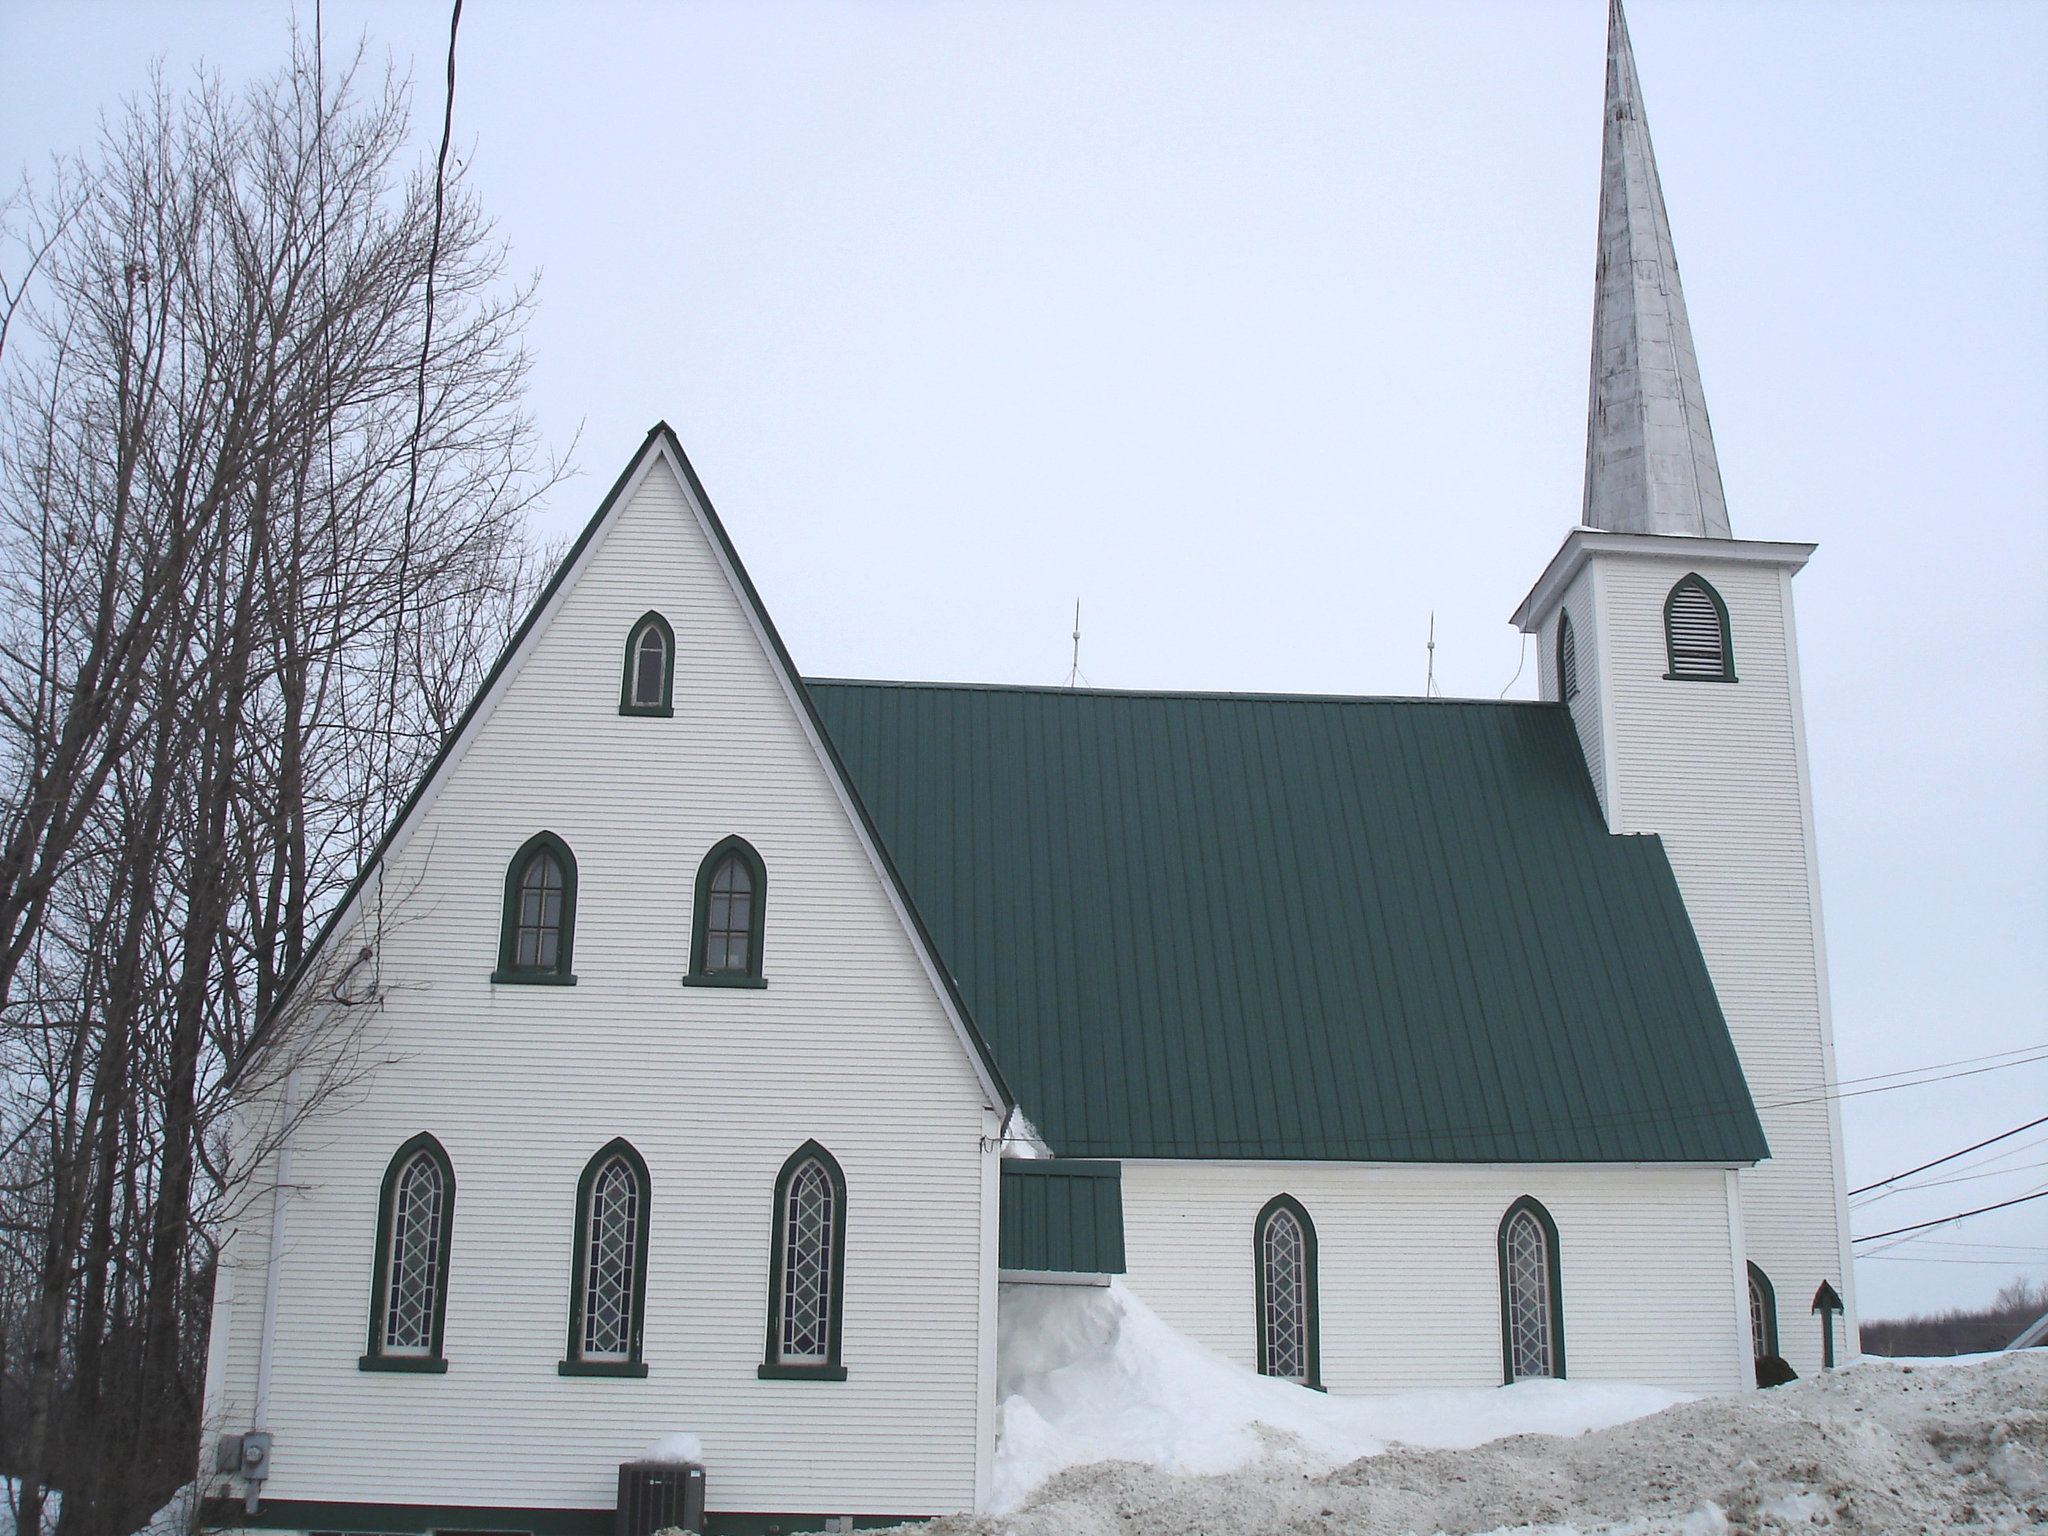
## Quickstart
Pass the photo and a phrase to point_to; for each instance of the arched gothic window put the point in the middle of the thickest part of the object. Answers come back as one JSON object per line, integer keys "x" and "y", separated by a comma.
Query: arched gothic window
{"x": 726, "y": 930}
{"x": 608, "y": 1294}
{"x": 806, "y": 1268}
{"x": 1567, "y": 659}
{"x": 409, "y": 1287}
{"x": 538, "y": 934}
{"x": 1696, "y": 636}
{"x": 1531, "y": 1306}
{"x": 1763, "y": 1314}
{"x": 1284, "y": 1257}
{"x": 649, "y": 685}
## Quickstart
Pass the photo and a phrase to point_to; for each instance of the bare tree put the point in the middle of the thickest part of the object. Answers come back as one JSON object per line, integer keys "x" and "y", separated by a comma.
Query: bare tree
{"x": 264, "y": 473}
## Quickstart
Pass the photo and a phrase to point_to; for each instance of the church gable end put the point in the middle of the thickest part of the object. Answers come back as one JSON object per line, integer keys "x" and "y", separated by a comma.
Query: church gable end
{"x": 712, "y": 1025}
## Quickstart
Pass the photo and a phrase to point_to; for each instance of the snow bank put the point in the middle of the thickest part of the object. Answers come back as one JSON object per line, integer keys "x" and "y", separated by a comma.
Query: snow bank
{"x": 1885, "y": 1448}
{"x": 674, "y": 1449}
{"x": 1089, "y": 1374}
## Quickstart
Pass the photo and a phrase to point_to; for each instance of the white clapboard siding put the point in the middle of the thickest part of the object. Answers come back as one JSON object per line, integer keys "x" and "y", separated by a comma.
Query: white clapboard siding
{"x": 1409, "y": 1276}
{"x": 715, "y": 1087}
{"x": 1718, "y": 771}
{"x": 1578, "y": 601}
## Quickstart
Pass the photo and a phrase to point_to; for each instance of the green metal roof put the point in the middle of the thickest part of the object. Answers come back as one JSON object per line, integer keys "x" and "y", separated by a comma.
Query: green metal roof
{"x": 1063, "y": 1214}
{"x": 1259, "y": 926}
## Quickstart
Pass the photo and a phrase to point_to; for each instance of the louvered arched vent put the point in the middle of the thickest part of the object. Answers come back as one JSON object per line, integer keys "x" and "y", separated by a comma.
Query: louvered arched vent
{"x": 1567, "y": 659}
{"x": 1696, "y": 633}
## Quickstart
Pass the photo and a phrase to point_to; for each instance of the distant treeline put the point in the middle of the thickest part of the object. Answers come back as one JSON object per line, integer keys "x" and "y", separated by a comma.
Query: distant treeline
{"x": 1974, "y": 1332}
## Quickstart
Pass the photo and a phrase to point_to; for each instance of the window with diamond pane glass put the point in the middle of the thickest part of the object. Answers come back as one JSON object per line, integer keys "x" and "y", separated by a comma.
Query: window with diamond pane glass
{"x": 1283, "y": 1259}
{"x": 608, "y": 1262}
{"x": 1530, "y": 1345}
{"x": 650, "y": 666}
{"x": 807, "y": 1267}
{"x": 414, "y": 1282}
{"x": 537, "y": 938}
{"x": 729, "y": 927}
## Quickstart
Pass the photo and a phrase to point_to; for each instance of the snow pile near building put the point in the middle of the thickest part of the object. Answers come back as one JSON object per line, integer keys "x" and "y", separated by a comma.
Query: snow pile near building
{"x": 674, "y": 1450}
{"x": 1091, "y": 1374}
{"x": 1139, "y": 1432}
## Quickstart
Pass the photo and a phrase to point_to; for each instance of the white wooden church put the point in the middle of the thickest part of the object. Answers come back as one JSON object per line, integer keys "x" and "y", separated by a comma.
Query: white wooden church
{"x": 736, "y": 1037}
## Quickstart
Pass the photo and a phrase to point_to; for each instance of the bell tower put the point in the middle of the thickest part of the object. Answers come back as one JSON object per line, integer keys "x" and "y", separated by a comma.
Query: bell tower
{"x": 1672, "y": 643}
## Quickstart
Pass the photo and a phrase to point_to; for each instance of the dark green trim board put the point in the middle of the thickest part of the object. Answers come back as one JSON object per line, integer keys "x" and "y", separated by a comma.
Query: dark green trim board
{"x": 700, "y": 916}
{"x": 403, "y": 1519}
{"x": 1554, "y": 1265}
{"x": 573, "y": 1363}
{"x": 1694, "y": 582}
{"x": 1567, "y": 658}
{"x": 1299, "y": 1212}
{"x": 666, "y": 707}
{"x": 1767, "y": 1294}
{"x": 1246, "y": 926}
{"x": 1062, "y": 1215}
{"x": 374, "y": 1358}
{"x": 563, "y": 972}
{"x": 660, "y": 438}
{"x": 773, "y": 1367}
{"x": 422, "y": 1519}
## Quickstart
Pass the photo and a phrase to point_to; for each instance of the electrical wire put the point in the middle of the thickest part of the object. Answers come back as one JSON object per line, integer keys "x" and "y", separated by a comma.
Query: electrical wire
{"x": 1961, "y": 1178}
{"x": 1919, "y": 1226}
{"x": 1951, "y": 1157}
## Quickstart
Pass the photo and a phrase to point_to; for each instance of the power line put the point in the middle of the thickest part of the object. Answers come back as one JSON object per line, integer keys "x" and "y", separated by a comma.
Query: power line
{"x": 1951, "y": 1157}
{"x": 1938, "y": 1221}
{"x": 1961, "y": 1178}
{"x": 1917, "y": 1082}
{"x": 1942, "y": 1066}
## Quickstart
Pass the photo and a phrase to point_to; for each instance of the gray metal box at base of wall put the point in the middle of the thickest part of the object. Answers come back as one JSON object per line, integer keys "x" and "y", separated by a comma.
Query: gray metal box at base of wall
{"x": 657, "y": 1495}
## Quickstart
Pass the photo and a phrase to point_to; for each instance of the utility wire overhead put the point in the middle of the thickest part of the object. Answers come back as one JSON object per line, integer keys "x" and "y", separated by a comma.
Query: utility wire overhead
{"x": 1939, "y": 1221}
{"x": 1950, "y": 1157}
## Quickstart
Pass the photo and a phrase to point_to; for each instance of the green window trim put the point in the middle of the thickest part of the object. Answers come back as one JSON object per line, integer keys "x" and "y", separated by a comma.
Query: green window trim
{"x": 562, "y": 973}
{"x": 573, "y": 1363}
{"x": 1693, "y": 581}
{"x": 1567, "y": 658}
{"x": 1554, "y": 1267}
{"x": 414, "y": 1365}
{"x": 1766, "y": 1296}
{"x": 634, "y": 638}
{"x": 700, "y": 917}
{"x": 1299, "y": 1212}
{"x": 773, "y": 1367}
{"x": 434, "y": 1362}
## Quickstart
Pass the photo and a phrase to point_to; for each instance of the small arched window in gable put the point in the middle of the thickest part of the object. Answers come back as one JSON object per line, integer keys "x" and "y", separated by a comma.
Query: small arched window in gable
{"x": 409, "y": 1289}
{"x": 649, "y": 686}
{"x": 608, "y": 1294}
{"x": 1567, "y": 659}
{"x": 1696, "y": 636}
{"x": 538, "y": 930}
{"x": 1531, "y": 1300}
{"x": 728, "y": 922}
{"x": 807, "y": 1268}
{"x": 1284, "y": 1256}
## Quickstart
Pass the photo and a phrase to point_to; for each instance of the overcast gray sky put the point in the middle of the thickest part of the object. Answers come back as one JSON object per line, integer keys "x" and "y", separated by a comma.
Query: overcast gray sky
{"x": 1263, "y": 329}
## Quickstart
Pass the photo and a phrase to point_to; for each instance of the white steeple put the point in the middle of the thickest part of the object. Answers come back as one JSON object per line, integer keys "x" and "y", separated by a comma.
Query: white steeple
{"x": 1650, "y": 465}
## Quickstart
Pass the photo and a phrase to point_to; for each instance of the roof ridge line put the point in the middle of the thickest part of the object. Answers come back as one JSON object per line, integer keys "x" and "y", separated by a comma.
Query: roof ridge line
{"x": 1173, "y": 693}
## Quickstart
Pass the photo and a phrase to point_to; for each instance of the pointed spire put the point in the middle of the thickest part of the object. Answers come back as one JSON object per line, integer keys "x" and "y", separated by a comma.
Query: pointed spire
{"x": 1650, "y": 465}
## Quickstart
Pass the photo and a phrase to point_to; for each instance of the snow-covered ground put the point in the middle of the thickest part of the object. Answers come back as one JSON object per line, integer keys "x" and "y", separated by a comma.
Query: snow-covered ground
{"x": 1111, "y": 1422}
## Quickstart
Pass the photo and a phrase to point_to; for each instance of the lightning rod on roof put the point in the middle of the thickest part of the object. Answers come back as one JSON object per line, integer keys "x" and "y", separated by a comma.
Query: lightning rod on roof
{"x": 1429, "y": 690}
{"x": 1074, "y": 677}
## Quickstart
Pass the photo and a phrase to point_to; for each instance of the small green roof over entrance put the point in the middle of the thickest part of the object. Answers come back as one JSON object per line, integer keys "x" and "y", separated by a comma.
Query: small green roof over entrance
{"x": 1260, "y": 926}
